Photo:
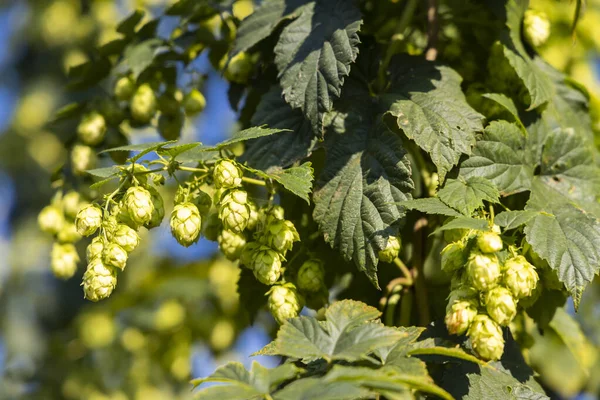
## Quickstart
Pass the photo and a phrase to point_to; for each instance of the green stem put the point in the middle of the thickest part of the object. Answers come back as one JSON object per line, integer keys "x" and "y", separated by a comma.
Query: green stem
{"x": 390, "y": 310}
{"x": 253, "y": 181}
{"x": 404, "y": 269}
{"x": 191, "y": 169}
{"x": 406, "y": 308}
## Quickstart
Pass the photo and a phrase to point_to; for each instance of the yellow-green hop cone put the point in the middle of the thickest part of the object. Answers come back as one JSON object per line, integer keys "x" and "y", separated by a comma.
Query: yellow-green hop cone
{"x": 462, "y": 293}
{"x": 285, "y": 302}
{"x": 139, "y": 205}
{"x": 486, "y": 338}
{"x": 88, "y": 220}
{"x": 453, "y": 257}
{"x": 71, "y": 203}
{"x": 280, "y": 235}
{"x": 92, "y": 129}
{"x": 99, "y": 280}
{"x": 231, "y": 244}
{"x": 115, "y": 256}
{"x": 520, "y": 277}
{"x": 536, "y": 27}
{"x": 234, "y": 211}
{"x": 143, "y": 104}
{"x": 94, "y": 249}
{"x": 51, "y": 219}
{"x": 159, "y": 209}
{"x": 489, "y": 242}
{"x": 266, "y": 265}
{"x": 186, "y": 223}
{"x": 124, "y": 88}
{"x": 193, "y": 103}
{"x": 253, "y": 220}
{"x": 247, "y": 255}
{"x": 126, "y": 237}
{"x": 82, "y": 159}
{"x": 392, "y": 248}
{"x": 227, "y": 174}
{"x": 238, "y": 69}
{"x": 270, "y": 214}
{"x": 68, "y": 233}
{"x": 500, "y": 305}
{"x": 483, "y": 270}
{"x": 460, "y": 315}
{"x": 64, "y": 259}
{"x": 311, "y": 276}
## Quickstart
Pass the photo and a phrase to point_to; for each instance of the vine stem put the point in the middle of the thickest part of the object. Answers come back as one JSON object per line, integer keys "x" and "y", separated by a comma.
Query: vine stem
{"x": 432, "y": 30}
{"x": 254, "y": 181}
{"x": 404, "y": 270}
{"x": 191, "y": 169}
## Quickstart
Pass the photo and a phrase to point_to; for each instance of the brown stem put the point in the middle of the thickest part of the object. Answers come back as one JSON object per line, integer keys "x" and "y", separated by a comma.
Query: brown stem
{"x": 432, "y": 30}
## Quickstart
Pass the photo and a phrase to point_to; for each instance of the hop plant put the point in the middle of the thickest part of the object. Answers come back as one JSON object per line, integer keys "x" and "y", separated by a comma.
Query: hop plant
{"x": 285, "y": 302}
{"x": 194, "y": 102}
{"x": 500, "y": 305}
{"x": 460, "y": 315}
{"x": 234, "y": 211}
{"x": 71, "y": 203}
{"x": 253, "y": 220}
{"x": 126, "y": 237}
{"x": 143, "y": 104}
{"x": 88, "y": 220}
{"x": 227, "y": 174}
{"x": 311, "y": 276}
{"x": 486, "y": 338}
{"x": 63, "y": 260}
{"x": 51, "y": 219}
{"x": 391, "y": 250}
{"x": 520, "y": 277}
{"x": 483, "y": 270}
{"x": 280, "y": 235}
{"x": 238, "y": 69}
{"x": 82, "y": 158}
{"x": 489, "y": 242}
{"x": 115, "y": 256}
{"x": 247, "y": 255}
{"x": 536, "y": 27}
{"x": 462, "y": 293}
{"x": 266, "y": 265}
{"x": 139, "y": 205}
{"x": 68, "y": 233}
{"x": 159, "y": 209}
{"x": 94, "y": 249}
{"x": 124, "y": 88}
{"x": 99, "y": 280}
{"x": 186, "y": 223}
{"x": 453, "y": 257}
{"x": 231, "y": 244}
{"x": 212, "y": 226}
{"x": 92, "y": 129}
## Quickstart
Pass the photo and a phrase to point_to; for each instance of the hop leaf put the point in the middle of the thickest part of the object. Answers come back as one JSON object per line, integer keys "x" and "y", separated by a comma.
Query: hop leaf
{"x": 92, "y": 129}
{"x": 483, "y": 270}
{"x": 159, "y": 209}
{"x": 234, "y": 211}
{"x": 311, "y": 276}
{"x": 139, "y": 205}
{"x": 99, "y": 280}
{"x": 115, "y": 256}
{"x": 486, "y": 338}
{"x": 193, "y": 103}
{"x": 520, "y": 277}
{"x": 88, "y": 220}
{"x": 94, "y": 249}
{"x": 124, "y": 88}
{"x": 143, "y": 104}
{"x": 489, "y": 242}
{"x": 231, "y": 244}
{"x": 460, "y": 315}
{"x": 266, "y": 265}
{"x": 68, "y": 233}
{"x": 285, "y": 302}
{"x": 500, "y": 305}
{"x": 64, "y": 259}
{"x": 391, "y": 250}
{"x": 227, "y": 174}
{"x": 186, "y": 223}
{"x": 536, "y": 27}
{"x": 126, "y": 237}
{"x": 51, "y": 219}
{"x": 280, "y": 236}
{"x": 453, "y": 257}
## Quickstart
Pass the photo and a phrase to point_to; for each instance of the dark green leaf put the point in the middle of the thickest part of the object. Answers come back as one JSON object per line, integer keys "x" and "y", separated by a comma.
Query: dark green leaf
{"x": 313, "y": 388}
{"x": 297, "y": 180}
{"x": 508, "y": 104}
{"x": 127, "y": 26}
{"x": 251, "y": 292}
{"x": 139, "y": 56}
{"x": 174, "y": 151}
{"x": 430, "y": 205}
{"x": 86, "y": 75}
{"x": 103, "y": 172}
{"x": 71, "y": 110}
{"x": 468, "y": 195}
{"x": 494, "y": 384}
{"x": 247, "y": 134}
{"x": 514, "y": 219}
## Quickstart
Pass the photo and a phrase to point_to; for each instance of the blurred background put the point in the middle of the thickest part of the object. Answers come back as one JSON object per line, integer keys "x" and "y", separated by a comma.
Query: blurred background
{"x": 175, "y": 314}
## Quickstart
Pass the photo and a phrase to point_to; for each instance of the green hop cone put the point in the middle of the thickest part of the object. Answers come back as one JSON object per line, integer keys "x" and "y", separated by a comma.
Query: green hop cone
{"x": 193, "y": 103}
{"x": 82, "y": 159}
{"x": 536, "y": 27}
{"x": 186, "y": 223}
{"x": 234, "y": 211}
{"x": 238, "y": 69}
{"x": 227, "y": 174}
{"x": 92, "y": 129}
{"x": 280, "y": 235}
{"x": 126, "y": 237}
{"x": 500, "y": 305}
{"x": 231, "y": 244}
{"x": 462, "y": 293}
{"x": 51, "y": 219}
{"x": 311, "y": 276}
{"x": 143, "y": 104}
{"x": 520, "y": 277}
{"x": 99, "y": 280}
{"x": 71, "y": 203}
{"x": 453, "y": 257}
{"x": 124, "y": 88}
{"x": 95, "y": 248}
{"x": 285, "y": 302}
{"x": 88, "y": 220}
{"x": 392, "y": 248}
{"x": 159, "y": 209}
{"x": 247, "y": 255}
{"x": 483, "y": 270}
{"x": 270, "y": 214}
{"x": 64, "y": 259}
{"x": 486, "y": 338}
{"x": 68, "y": 233}
{"x": 253, "y": 220}
{"x": 460, "y": 315}
{"x": 489, "y": 242}
{"x": 170, "y": 125}
{"x": 139, "y": 205}
{"x": 266, "y": 265}
{"x": 115, "y": 256}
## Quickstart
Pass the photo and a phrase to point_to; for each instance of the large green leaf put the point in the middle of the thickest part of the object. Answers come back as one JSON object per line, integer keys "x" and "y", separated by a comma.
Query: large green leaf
{"x": 429, "y": 106}
{"x": 430, "y": 205}
{"x": 514, "y": 219}
{"x": 313, "y": 56}
{"x": 468, "y": 195}
{"x": 570, "y": 332}
{"x": 297, "y": 180}
{"x": 314, "y": 388}
{"x": 366, "y": 174}
{"x": 494, "y": 384}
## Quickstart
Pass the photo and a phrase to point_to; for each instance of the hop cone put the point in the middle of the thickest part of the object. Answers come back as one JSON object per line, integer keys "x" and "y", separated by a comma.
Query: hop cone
{"x": 489, "y": 242}
{"x": 193, "y": 103}
{"x": 51, "y": 219}
{"x": 266, "y": 265}
{"x": 231, "y": 244}
{"x": 159, "y": 209}
{"x": 462, "y": 293}
{"x": 115, "y": 256}
{"x": 285, "y": 302}
{"x": 99, "y": 280}
{"x": 124, "y": 88}
{"x": 253, "y": 220}
{"x": 536, "y": 27}
{"x": 186, "y": 223}
{"x": 94, "y": 249}
{"x": 280, "y": 235}
{"x": 486, "y": 338}
{"x": 483, "y": 270}
{"x": 500, "y": 305}
{"x": 311, "y": 276}
{"x": 453, "y": 257}
{"x": 143, "y": 104}
{"x": 238, "y": 69}
{"x": 247, "y": 255}
{"x": 460, "y": 315}
{"x": 92, "y": 128}
{"x": 68, "y": 233}
{"x": 64, "y": 259}
{"x": 520, "y": 277}
{"x": 126, "y": 237}
{"x": 88, "y": 220}
{"x": 391, "y": 250}
{"x": 234, "y": 211}
{"x": 139, "y": 205}
{"x": 270, "y": 214}
{"x": 82, "y": 159}
{"x": 71, "y": 203}
{"x": 227, "y": 174}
